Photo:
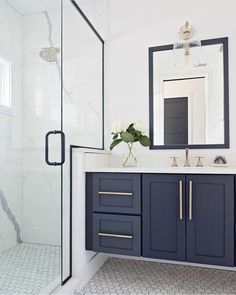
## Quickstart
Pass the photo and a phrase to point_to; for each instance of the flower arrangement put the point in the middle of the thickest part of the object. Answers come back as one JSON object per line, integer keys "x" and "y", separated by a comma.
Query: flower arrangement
{"x": 129, "y": 133}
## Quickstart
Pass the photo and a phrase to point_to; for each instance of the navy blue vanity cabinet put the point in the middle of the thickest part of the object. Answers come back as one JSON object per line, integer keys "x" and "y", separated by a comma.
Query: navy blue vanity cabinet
{"x": 163, "y": 216}
{"x": 210, "y": 219}
{"x": 113, "y": 213}
{"x": 117, "y": 193}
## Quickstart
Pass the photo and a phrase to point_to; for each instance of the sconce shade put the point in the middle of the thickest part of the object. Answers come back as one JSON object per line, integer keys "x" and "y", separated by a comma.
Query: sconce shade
{"x": 189, "y": 49}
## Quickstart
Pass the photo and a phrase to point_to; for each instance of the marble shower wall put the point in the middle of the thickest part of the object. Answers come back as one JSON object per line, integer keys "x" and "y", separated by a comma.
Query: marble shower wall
{"x": 11, "y": 24}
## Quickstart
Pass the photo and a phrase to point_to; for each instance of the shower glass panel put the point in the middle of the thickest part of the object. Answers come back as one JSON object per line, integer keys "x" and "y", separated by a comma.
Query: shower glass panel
{"x": 83, "y": 103}
{"x": 83, "y": 76}
{"x": 30, "y": 106}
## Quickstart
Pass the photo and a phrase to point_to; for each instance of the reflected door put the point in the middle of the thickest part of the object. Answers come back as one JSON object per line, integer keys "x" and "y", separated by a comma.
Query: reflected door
{"x": 176, "y": 120}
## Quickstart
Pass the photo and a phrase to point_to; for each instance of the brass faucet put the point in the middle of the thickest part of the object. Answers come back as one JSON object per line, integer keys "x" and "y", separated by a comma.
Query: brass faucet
{"x": 187, "y": 163}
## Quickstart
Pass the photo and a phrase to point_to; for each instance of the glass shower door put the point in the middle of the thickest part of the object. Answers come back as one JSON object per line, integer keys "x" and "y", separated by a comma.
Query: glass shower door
{"x": 31, "y": 145}
{"x": 42, "y": 140}
{"x": 51, "y": 127}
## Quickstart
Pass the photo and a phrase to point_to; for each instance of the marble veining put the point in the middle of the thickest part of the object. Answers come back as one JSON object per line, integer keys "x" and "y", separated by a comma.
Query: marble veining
{"x": 10, "y": 216}
{"x": 52, "y": 45}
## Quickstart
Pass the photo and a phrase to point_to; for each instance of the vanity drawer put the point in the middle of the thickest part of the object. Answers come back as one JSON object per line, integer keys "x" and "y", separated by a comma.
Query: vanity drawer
{"x": 118, "y": 234}
{"x": 117, "y": 193}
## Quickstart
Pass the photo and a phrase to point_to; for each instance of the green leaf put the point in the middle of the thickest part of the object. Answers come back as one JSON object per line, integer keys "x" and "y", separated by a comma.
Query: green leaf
{"x": 144, "y": 140}
{"x": 115, "y": 136}
{"x": 115, "y": 143}
{"x": 127, "y": 137}
{"x": 132, "y": 132}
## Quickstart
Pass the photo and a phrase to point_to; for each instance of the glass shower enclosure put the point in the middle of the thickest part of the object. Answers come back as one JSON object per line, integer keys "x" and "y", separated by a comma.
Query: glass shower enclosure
{"x": 51, "y": 101}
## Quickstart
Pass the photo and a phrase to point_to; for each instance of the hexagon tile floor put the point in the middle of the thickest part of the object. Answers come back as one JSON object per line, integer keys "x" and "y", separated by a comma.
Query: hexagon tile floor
{"x": 123, "y": 276}
{"x": 28, "y": 268}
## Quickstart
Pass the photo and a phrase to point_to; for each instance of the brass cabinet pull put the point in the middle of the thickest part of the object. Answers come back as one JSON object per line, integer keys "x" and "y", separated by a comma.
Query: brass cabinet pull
{"x": 116, "y": 194}
{"x": 181, "y": 200}
{"x": 190, "y": 200}
{"x": 115, "y": 236}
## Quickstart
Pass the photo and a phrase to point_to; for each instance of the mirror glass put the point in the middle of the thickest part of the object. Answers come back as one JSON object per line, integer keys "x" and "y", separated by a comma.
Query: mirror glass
{"x": 188, "y": 96}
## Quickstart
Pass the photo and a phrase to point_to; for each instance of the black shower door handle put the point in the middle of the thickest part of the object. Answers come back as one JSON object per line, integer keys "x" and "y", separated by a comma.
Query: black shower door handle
{"x": 62, "y": 148}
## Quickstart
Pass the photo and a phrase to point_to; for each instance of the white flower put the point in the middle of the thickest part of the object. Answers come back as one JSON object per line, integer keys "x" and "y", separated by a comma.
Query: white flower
{"x": 125, "y": 125}
{"x": 140, "y": 126}
{"x": 119, "y": 126}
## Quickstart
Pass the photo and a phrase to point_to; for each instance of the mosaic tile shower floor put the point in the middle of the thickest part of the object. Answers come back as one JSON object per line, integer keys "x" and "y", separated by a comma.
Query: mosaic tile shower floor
{"x": 122, "y": 276}
{"x": 28, "y": 268}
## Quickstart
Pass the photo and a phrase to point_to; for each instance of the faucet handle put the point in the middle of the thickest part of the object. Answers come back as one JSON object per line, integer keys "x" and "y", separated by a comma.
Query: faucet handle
{"x": 199, "y": 161}
{"x": 174, "y": 162}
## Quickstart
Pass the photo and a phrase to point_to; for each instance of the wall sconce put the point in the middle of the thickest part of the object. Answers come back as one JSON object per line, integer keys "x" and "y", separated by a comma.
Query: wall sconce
{"x": 187, "y": 51}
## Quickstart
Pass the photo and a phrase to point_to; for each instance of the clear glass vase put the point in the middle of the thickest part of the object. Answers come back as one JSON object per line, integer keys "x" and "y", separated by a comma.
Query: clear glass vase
{"x": 130, "y": 160}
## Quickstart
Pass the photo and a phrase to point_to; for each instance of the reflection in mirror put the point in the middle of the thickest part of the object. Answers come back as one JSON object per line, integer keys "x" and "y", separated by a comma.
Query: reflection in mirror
{"x": 189, "y": 100}
{"x": 185, "y": 111}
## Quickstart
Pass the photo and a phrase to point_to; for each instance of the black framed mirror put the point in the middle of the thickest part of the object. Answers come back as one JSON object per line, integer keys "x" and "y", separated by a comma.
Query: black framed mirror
{"x": 189, "y": 97}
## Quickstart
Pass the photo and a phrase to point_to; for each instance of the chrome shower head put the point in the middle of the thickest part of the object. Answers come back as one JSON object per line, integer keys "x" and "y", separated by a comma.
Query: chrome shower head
{"x": 49, "y": 54}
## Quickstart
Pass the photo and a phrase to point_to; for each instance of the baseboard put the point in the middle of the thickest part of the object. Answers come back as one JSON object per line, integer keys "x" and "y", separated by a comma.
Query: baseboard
{"x": 74, "y": 285}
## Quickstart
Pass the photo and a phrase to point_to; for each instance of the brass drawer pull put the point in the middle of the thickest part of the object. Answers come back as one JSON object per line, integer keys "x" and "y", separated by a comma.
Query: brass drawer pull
{"x": 190, "y": 200}
{"x": 115, "y": 236}
{"x": 181, "y": 200}
{"x": 116, "y": 194}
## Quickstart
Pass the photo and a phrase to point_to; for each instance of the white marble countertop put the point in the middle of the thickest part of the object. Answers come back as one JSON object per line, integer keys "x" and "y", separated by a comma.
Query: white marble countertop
{"x": 166, "y": 170}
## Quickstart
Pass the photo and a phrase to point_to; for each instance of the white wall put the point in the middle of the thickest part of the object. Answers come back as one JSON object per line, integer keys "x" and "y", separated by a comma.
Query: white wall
{"x": 136, "y": 25}
{"x": 11, "y": 23}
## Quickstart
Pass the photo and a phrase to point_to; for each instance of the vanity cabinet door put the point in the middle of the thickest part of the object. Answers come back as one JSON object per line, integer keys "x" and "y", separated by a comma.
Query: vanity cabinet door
{"x": 210, "y": 220}
{"x": 164, "y": 216}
